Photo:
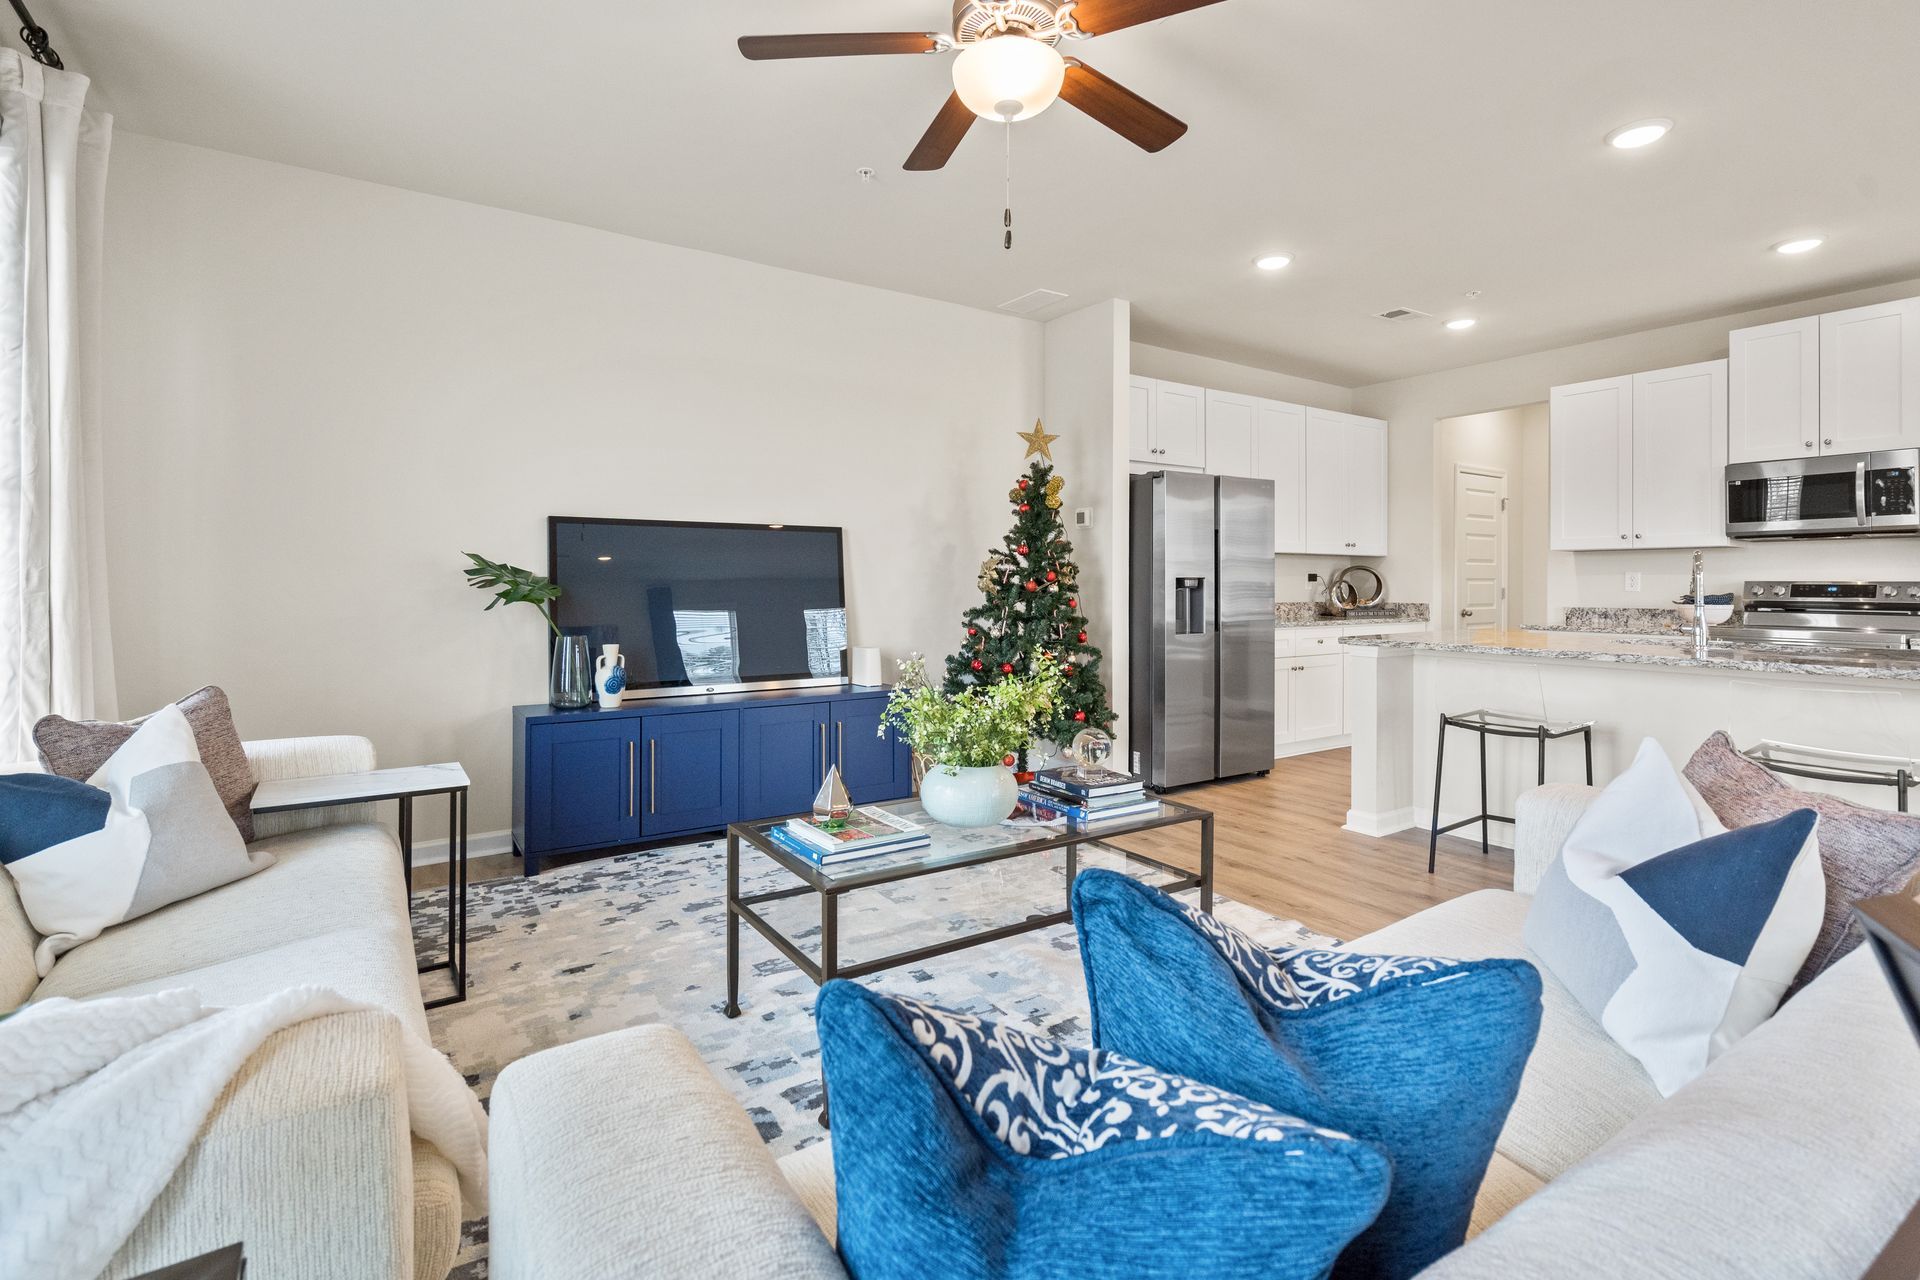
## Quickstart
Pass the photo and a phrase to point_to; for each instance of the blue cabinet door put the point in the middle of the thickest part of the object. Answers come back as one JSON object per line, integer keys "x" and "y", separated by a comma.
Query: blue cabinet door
{"x": 691, "y": 765}
{"x": 873, "y": 767}
{"x": 783, "y": 755}
{"x": 582, "y": 783}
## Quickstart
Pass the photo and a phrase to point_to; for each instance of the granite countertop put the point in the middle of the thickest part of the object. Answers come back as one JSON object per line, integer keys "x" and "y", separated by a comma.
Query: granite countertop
{"x": 1657, "y": 651}
{"x": 1621, "y": 621}
{"x": 1289, "y": 614}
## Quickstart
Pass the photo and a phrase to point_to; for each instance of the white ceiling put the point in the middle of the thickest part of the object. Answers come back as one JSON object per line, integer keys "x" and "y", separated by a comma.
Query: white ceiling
{"x": 1406, "y": 151}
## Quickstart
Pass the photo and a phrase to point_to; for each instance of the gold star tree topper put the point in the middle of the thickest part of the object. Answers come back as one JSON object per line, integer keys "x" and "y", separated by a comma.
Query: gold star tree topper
{"x": 1038, "y": 441}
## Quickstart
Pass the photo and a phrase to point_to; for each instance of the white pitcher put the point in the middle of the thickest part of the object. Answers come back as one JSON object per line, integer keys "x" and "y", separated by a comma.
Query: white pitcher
{"x": 609, "y": 676}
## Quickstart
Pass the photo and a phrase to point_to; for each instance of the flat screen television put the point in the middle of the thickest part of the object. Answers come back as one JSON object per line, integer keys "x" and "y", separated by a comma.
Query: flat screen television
{"x": 705, "y": 608}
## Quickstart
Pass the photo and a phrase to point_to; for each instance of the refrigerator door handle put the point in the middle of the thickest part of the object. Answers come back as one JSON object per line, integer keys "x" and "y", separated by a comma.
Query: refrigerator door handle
{"x": 1189, "y": 606}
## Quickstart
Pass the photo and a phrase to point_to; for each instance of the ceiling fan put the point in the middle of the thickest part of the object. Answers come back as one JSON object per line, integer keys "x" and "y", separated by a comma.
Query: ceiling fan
{"x": 1009, "y": 68}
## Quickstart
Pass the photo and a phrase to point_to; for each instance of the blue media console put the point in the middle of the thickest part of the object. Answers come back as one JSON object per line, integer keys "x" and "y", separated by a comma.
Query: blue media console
{"x": 593, "y": 779}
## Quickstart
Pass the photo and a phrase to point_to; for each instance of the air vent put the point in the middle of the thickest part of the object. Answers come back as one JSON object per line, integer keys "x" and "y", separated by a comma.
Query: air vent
{"x": 1028, "y": 303}
{"x": 1403, "y": 313}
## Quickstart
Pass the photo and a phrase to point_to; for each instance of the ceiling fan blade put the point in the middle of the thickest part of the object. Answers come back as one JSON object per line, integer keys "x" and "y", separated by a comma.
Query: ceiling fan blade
{"x": 1121, "y": 110}
{"x": 761, "y": 48}
{"x": 1097, "y": 17}
{"x": 942, "y": 136}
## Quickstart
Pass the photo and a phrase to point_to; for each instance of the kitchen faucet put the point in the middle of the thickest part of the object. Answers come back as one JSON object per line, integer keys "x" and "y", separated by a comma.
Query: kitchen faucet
{"x": 1699, "y": 605}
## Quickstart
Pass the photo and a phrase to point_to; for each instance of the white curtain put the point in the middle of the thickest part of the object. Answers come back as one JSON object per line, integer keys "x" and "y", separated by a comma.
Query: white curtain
{"x": 55, "y": 651}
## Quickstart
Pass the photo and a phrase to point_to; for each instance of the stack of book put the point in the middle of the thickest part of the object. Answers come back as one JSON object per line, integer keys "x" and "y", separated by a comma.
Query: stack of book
{"x": 1087, "y": 800}
{"x": 861, "y": 834}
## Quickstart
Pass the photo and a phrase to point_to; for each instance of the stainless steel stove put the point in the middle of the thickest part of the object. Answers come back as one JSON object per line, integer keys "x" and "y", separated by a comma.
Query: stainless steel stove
{"x": 1846, "y": 615}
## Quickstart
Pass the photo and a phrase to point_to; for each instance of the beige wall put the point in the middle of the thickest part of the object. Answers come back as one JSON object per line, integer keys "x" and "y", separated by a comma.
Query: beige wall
{"x": 320, "y": 392}
{"x": 1414, "y": 405}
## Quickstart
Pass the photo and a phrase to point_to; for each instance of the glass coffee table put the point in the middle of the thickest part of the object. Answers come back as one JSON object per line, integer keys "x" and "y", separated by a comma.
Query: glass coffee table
{"x": 952, "y": 848}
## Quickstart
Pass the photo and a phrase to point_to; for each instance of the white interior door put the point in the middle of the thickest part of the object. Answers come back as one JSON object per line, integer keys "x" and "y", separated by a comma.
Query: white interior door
{"x": 1480, "y": 546}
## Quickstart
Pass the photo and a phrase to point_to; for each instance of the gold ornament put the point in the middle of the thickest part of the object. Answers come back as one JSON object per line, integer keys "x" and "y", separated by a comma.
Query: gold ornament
{"x": 1038, "y": 441}
{"x": 1053, "y": 502}
{"x": 1054, "y": 486}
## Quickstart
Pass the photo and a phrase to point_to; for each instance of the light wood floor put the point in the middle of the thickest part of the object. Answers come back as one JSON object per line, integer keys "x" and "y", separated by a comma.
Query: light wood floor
{"x": 1278, "y": 846}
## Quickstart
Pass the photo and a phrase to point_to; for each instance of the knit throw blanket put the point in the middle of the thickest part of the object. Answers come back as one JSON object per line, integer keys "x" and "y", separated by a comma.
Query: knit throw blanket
{"x": 101, "y": 1099}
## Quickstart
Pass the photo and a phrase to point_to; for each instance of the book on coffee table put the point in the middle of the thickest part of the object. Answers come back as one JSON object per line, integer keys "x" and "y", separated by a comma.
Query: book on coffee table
{"x": 870, "y": 826}
{"x": 1088, "y": 783}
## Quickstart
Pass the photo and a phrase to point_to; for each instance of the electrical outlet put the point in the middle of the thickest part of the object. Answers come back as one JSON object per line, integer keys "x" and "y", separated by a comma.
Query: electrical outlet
{"x": 1632, "y": 582}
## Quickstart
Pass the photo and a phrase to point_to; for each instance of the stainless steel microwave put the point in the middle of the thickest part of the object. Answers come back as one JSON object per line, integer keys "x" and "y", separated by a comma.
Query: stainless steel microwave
{"x": 1840, "y": 495}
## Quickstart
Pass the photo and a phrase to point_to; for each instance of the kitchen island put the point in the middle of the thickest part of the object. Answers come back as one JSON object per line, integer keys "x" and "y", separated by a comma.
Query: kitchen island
{"x": 1398, "y": 687}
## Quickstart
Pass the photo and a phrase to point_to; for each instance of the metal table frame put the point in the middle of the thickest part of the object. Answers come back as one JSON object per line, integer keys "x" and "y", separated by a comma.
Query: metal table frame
{"x": 832, "y": 888}
{"x": 455, "y": 964}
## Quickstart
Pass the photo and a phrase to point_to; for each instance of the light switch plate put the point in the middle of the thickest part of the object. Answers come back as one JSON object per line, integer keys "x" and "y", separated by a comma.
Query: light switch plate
{"x": 1633, "y": 582}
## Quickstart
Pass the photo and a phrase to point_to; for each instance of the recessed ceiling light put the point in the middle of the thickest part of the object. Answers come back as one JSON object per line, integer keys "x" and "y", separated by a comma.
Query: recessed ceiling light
{"x": 1462, "y": 322}
{"x": 1806, "y": 244}
{"x": 1639, "y": 134}
{"x": 603, "y": 559}
{"x": 1273, "y": 261}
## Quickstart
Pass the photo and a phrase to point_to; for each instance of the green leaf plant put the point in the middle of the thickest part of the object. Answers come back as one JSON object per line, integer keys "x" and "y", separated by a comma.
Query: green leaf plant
{"x": 980, "y": 726}
{"x": 513, "y": 585}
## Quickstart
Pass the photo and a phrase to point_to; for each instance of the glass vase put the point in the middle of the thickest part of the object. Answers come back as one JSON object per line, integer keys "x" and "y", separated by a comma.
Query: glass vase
{"x": 571, "y": 682}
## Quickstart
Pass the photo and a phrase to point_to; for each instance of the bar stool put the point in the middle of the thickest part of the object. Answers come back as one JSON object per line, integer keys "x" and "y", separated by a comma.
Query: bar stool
{"x": 1498, "y": 724}
{"x": 1828, "y": 765}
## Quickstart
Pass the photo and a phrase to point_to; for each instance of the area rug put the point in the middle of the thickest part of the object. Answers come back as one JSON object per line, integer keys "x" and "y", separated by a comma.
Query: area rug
{"x": 640, "y": 938}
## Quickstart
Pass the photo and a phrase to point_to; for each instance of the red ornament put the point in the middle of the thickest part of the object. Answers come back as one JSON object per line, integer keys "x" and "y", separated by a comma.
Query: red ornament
{"x": 1023, "y": 482}
{"x": 1023, "y": 548}
{"x": 1079, "y": 715}
{"x": 1074, "y": 604}
{"x": 1006, "y": 668}
{"x": 1083, "y": 637}
{"x": 974, "y": 631}
{"x": 1010, "y": 761}
{"x": 1066, "y": 668}
{"x": 977, "y": 664}
{"x": 1032, "y": 585}
{"x": 1024, "y": 508}
{"x": 1052, "y": 576}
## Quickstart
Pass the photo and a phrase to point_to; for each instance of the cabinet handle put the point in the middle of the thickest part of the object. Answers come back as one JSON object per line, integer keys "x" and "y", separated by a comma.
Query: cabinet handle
{"x": 630, "y": 798}
{"x": 653, "y": 776}
{"x": 1809, "y": 444}
{"x": 840, "y": 749}
{"x": 1639, "y": 535}
{"x": 1828, "y": 440}
{"x": 1623, "y": 537}
{"x": 825, "y": 759}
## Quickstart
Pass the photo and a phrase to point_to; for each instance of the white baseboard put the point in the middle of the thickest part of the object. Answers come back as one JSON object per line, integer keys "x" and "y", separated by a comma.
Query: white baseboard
{"x": 479, "y": 845}
{"x": 1381, "y": 824}
{"x": 1287, "y": 750}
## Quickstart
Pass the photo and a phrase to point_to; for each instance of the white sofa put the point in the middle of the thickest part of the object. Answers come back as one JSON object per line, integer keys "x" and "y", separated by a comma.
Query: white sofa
{"x": 307, "y": 1156}
{"x": 1796, "y": 1154}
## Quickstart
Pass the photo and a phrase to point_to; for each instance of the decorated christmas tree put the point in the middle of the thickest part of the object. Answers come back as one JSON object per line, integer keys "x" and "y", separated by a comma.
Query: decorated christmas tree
{"x": 1032, "y": 604}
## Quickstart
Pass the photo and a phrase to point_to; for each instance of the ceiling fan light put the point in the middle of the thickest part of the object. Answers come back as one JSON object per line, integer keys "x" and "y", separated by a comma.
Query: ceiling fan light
{"x": 1009, "y": 77}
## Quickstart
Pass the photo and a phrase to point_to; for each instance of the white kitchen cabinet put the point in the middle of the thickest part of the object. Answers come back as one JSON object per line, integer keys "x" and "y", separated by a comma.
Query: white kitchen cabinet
{"x": 1140, "y": 420}
{"x": 1167, "y": 423}
{"x": 1280, "y": 455}
{"x": 1346, "y": 474}
{"x": 1229, "y": 434}
{"x": 1590, "y": 465}
{"x": 1640, "y": 461}
{"x": 1870, "y": 378}
{"x": 1282, "y": 703}
{"x": 1773, "y": 391}
{"x": 1317, "y": 694}
{"x": 1680, "y": 456}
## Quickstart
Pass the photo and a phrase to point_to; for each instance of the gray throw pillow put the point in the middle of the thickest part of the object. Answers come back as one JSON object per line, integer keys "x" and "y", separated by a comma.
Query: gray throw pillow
{"x": 77, "y": 748}
{"x": 1864, "y": 852}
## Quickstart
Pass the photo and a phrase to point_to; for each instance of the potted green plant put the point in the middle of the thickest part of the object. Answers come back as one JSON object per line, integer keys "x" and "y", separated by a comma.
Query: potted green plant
{"x": 972, "y": 737}
{"x": 570, "y": 683}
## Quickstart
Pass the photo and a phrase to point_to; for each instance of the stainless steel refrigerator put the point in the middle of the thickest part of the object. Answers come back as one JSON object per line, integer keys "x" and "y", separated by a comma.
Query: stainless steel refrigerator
{"x": 1201, "y": 599}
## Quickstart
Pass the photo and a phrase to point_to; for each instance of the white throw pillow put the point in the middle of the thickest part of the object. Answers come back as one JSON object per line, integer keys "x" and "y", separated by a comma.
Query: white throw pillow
{"x": 147, "y": 830}
{"x": 1678, "y": 935}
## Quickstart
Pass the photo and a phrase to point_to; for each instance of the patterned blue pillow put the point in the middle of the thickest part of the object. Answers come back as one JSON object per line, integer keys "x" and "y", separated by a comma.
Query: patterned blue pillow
{"x": 1419, "y": 1056}
{"x": 964, "y": 1148}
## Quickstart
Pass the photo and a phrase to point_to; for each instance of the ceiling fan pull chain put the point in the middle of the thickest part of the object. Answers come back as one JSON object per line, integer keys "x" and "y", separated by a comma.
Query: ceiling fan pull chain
{"x": 1008, "y": 218}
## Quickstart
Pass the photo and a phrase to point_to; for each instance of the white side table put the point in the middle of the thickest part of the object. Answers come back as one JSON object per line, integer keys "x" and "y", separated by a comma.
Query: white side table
{"x": 402, "y": 784}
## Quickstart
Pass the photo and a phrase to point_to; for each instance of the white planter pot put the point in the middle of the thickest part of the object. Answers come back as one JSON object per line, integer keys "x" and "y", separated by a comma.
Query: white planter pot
{"x": 963, "y": 797}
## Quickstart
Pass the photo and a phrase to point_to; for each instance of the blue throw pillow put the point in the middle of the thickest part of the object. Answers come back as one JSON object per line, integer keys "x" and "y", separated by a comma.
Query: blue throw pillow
{"x": 1421, "y": 1057}
{"x": 966, "y": 1149}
